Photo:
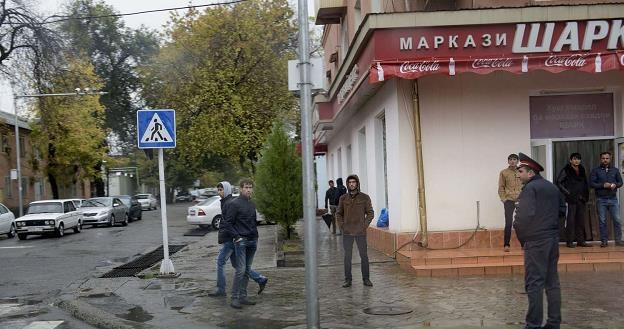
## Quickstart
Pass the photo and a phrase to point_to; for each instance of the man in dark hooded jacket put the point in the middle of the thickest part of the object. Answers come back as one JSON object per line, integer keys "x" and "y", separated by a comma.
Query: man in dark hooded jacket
{"x": 572, "y": 182}
{"x": 340, "y": 191}
{"x": 354, "y": 215}
{"x": 227, "y": 247}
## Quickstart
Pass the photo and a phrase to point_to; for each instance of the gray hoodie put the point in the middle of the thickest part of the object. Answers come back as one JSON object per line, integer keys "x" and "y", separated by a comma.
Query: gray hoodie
{"x": 227, "y": 197}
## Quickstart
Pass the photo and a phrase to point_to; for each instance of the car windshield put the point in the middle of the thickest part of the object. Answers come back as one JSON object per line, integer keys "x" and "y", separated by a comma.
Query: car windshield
{"x": 142, "y": 196}
{"x": 209, "y": 201}
{"x": 125, "y": 200}
{"x": 45, "y": 208}
{"x": 97, "y": 202}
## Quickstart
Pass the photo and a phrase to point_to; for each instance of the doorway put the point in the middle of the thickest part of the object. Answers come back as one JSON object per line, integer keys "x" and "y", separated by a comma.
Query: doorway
{"x": 590, "y": 151}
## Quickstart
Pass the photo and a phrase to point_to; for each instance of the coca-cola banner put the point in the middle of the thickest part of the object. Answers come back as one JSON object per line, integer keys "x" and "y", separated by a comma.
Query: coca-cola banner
{"x": 589, "y": 46}
{"x": 579, "y": 115}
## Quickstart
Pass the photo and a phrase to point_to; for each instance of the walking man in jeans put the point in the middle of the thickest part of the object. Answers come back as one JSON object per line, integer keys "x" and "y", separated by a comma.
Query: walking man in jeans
{"x": 240, "y": 223}
{"x": 606, "y": 179}
{"x": 509, "y": 186}
{"x": 227, "y": 247}
{"x": 354, "y": 215}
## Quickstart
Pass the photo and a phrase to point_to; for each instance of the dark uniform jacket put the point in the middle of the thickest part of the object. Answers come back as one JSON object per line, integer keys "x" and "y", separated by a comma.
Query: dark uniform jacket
{"x": 223, "y": 234}
{"x": 240, "y": 218}
{"x": 539, "y": 206}
{"x": 573, "y": 186}
{"x": 601, "y": 175}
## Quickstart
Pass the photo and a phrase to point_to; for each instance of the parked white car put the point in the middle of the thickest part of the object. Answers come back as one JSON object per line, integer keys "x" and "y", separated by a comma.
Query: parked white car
{"x": 104, "y": 210}
{"x": 208, "y": 213}
{"x": 7, "y": 221}
{"x": 49, "y": 216}
{"x": 147, "y": 201}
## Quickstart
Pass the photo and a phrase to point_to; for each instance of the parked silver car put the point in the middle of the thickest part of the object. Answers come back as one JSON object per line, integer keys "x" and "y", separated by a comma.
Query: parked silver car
{"x": 7, "y": 221}
{"x": 147, "y": 201}
{"x": 104, "y": 210}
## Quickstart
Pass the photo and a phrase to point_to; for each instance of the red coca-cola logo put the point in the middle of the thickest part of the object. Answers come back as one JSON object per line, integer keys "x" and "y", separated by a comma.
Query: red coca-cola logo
{"x": 567, "y": 61}
{"x": 424, "y": 66}
{"x": 494, "y": 63}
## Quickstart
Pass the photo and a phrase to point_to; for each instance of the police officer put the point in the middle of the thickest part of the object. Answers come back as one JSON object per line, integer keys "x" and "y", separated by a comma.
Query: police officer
{"x": 537, "y": 228}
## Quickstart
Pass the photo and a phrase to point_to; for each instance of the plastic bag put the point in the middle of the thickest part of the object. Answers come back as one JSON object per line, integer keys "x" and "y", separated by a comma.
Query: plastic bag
{"x": 383, "y": 220}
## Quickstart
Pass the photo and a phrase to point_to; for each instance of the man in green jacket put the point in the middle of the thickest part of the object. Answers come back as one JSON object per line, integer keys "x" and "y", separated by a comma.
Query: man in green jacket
{"x": 354, "y": 215}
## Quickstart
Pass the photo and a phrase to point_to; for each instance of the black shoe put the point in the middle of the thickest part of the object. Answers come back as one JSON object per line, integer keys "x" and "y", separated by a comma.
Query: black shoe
{"x": 368, "y": 283}
{"x": 584, "y": 244}
{"x": 262, "y": 285}
{"x": 604, "y": 244}
{"x": 619, "y": 243}
{"x": 217, "y": 293}
{"x": 346, "y": 284}
{"x": 570, "y": 245}
{"x": 236, "y": 304}
{"x": 245, "y": 301}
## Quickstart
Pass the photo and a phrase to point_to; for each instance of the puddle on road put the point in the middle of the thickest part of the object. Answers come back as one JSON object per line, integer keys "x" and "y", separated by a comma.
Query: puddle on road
{"x": 136, "y": 314}
{"x": 247, "y": 323}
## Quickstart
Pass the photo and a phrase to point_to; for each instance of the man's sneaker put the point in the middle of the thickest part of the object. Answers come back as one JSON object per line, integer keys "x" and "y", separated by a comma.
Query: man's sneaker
{"x": 584, "y": 244}
{"x": 346, "y": 284}
{"x": 368, "y": 283}
{"x": 245, "y": 301}
{"x": 604, "y": 244}
{"x": 570, "y": 244}
{"x": 236, "y": 304}
{"x": 619, "y": 243}
{"x": 506, "y": 248}
{"x": 217, "y": 293}
{"x": 262, "y": 285}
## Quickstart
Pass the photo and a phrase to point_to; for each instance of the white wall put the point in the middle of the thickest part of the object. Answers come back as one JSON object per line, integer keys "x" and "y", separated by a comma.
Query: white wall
{"x": 321, "y": 179}
{"x": 470, "y": 123}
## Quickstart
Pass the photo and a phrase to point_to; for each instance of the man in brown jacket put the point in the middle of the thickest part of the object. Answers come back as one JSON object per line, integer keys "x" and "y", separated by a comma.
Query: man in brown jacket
{"x": 354, "y": 215}
{"x": 509, "y": 187}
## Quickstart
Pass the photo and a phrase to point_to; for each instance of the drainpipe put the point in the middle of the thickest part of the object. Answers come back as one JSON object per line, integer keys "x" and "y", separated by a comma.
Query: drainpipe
{"x": 422, "y": 206}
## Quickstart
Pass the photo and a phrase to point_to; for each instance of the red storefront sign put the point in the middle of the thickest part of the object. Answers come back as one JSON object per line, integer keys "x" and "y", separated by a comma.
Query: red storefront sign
{"x": 588, "y": 46}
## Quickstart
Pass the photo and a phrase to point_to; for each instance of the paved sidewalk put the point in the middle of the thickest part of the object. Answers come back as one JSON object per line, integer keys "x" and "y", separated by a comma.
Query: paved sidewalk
{"x": 590, "y": 300}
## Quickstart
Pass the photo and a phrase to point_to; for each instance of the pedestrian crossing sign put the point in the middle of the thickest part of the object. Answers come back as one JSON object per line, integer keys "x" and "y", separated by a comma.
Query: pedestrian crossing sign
{"x": 156, "y": 129}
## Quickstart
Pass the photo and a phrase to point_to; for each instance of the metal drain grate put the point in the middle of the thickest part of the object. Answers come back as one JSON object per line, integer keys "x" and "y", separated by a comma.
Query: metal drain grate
{"x": 141, "y": 263}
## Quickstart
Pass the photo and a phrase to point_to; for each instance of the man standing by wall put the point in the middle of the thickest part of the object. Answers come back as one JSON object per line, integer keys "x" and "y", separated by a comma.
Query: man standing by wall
{"x": 537, "y": 227}
{"x": 354, "y": 215}
{"x": 509, "y": 186}
{"x": 572, "y": 182}
{"x": 606, "y": 179}
{"x": 330, "y": 197}
{"x": 340, "y": 191}
{"x": 227, "y": 247}
{"x": 240, "y": 223}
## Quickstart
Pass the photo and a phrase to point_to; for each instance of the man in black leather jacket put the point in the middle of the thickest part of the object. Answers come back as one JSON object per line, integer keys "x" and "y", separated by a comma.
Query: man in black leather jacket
{"x": 572, "y": 182}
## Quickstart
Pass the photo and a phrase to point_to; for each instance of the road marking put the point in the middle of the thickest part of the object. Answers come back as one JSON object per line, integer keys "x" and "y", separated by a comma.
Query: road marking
{"x": 16, "y": 247}
{"x": 8, "y": 308}
{"x": 43, "y": 325}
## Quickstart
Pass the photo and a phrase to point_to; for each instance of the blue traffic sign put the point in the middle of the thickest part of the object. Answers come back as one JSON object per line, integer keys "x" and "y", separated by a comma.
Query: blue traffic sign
{"x": 156, "y": 129}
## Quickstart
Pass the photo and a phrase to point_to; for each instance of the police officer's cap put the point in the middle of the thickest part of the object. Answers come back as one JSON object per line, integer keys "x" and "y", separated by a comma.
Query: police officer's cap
{"x": 525, "y": 161}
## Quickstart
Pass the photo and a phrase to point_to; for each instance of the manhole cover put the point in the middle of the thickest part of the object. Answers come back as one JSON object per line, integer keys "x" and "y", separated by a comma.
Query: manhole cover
{"x": 387, "y": 310}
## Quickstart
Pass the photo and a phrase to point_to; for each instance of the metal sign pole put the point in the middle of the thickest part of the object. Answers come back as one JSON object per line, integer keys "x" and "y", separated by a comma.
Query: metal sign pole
{"x": 309, "y": 216}
{"x": 166, "y": 267}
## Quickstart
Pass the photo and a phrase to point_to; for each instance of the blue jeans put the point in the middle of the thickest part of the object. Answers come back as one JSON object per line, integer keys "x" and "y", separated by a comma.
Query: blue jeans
{"x": 610, "y": 204}
{"x": 226, "y": 252}
{"x": 244, "y": 252}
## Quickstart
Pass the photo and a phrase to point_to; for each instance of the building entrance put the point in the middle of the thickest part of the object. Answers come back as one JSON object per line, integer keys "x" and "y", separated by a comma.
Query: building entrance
{"x": 590, "y": 151}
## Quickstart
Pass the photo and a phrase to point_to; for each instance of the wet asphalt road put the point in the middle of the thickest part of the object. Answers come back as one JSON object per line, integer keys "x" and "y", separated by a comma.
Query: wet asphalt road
{"x": 34, "y": 271}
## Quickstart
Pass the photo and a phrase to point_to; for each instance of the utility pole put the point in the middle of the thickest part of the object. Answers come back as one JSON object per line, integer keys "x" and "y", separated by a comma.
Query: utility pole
{"x": 309, "y": 215}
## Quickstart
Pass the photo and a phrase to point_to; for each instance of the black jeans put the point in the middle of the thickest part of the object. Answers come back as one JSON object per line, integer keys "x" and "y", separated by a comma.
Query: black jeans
{"x": 575, "y": 223}
{"x": 347, "y": 243}
{"x": 540, "y": 273}
{"x": 510, "y": 206}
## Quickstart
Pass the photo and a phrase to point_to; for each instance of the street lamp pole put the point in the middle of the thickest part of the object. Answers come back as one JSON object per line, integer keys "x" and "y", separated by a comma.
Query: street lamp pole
{"x": 78, "y": 92}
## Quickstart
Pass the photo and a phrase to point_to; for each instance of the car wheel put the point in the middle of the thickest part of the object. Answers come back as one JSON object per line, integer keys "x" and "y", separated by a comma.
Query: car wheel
{"x": 60, "y": 231}
{"x": 22, "y": 236}
{"x": 216, "y": 222}
{"x": 125, "y": 222}
{"x": 111, "y": 221}
{"x": 78, "y": 227}
{"x": 11, "y": 231}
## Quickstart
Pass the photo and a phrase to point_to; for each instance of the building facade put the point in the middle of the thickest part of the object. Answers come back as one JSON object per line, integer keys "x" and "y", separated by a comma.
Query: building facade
{"x": 426, "y": 99}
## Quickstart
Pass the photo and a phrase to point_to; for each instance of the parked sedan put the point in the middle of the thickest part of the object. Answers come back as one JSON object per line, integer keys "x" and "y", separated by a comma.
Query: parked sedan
{"x": 134, "y": 207}
{"x": 147, "y": 201}
{"x": 49, "y": 216}
{"x": 7, "y": 221}
{"x": 208, "y": 214}
{"x": 104, "y": 210}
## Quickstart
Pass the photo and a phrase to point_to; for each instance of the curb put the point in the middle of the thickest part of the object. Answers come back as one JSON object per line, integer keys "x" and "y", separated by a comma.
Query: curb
{"x": 97, "y": 317}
